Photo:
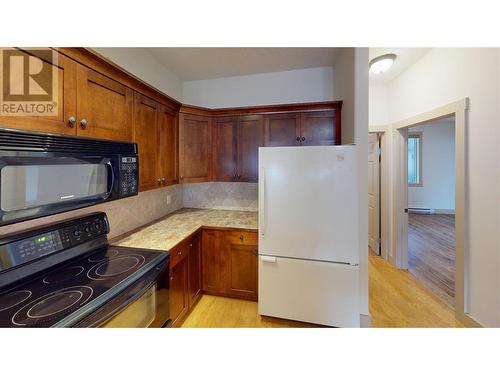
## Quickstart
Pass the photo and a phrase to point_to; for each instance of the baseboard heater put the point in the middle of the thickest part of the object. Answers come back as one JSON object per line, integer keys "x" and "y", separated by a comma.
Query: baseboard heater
{"x": 413, "y": 210}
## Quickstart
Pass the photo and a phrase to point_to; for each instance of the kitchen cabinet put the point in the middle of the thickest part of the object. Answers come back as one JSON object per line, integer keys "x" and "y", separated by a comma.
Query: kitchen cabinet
{"x": 242, "y": 264}
{"x": 314, "y": 128}
{"x": 213, "y": 261}
{"x": 194, "y": 269}
{"x": 179, "y": 303}
{"x": 167, "y": 164}
{"x": 229, "y": 263}
{"x": 195, "y": 148}
{"x": 105, "y": 106}
{"x": 236, "y": 148}
{"x": 320, "y": 128}
{"x": 250, "y": 138}
{"x": 225, "y": 154}
{"x": 155, "y": 132}
{"x": 64, "y": 121}
{"x": 282, "y": 129}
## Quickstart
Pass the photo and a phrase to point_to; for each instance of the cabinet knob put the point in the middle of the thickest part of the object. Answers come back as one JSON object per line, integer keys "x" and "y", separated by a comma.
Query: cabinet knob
{"x": 163, "y": 180}
{"x": 190, "y": 245}
{"x": 72, "y": 121}
{"x": 241, "y": 238}
{"x": 179, "y": 253}
{"x": 181, "y": 177}
{"x": 297, "y": 139}
{"x": 83, "y": 123}
{"x": 303, "y": 139}
{"x": 239, "y": 176}
{"x": 158, "y": 180}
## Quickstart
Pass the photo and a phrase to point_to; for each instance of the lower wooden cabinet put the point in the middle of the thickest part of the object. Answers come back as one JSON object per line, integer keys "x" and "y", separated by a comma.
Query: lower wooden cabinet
{"x": 179, "y": 303}
{"x": 229, "y": 263}
{"x": 185, "y": 278}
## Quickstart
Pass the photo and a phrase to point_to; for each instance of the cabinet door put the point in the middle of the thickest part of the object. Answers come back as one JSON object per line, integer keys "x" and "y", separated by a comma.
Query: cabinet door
{"x": 194, "y": 269}
{"x": 178, "y": 291}
{"x": 250, "y": 138}
{"x": 225, "y": 156}
{"x": 242, "y": 272}
{"x": 320, "y": 128}
{"x": 105, "y": 105}
{"x": 66, "y": 103}
{"x": 145, "y": 130}
{"x": 282, "y": 129}
{"x": 213, "y": 261}
{"x": 195, "y": 148}
{"x": 167, "y": 165}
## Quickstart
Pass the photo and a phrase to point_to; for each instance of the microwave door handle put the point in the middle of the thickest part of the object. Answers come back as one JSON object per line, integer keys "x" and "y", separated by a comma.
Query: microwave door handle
{"x": 110, "y": 166}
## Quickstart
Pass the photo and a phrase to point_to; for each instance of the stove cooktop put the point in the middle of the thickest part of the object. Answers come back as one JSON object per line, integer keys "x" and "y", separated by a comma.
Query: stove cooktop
{"x": 66, "y": 294}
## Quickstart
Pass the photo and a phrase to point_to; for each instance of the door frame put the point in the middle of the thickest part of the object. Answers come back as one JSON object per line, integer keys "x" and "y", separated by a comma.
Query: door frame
{"x": 384, "y": 194}
{"x": 459, "y": 109}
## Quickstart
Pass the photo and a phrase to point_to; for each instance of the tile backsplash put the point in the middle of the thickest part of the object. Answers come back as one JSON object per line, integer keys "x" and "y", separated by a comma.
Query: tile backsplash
{"x": 124, "y": 215}
{"x": 242, "y": 196}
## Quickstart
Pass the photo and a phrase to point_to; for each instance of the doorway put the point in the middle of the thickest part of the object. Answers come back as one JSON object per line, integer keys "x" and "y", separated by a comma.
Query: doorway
{"x": 374, "y": 232}
{"x": 459, "y": 110}
{"x": 431, "y": 206}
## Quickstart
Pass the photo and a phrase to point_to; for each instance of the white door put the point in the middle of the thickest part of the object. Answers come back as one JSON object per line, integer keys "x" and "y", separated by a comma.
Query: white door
{"x": 308, "y": 206}
{"x": 374, "y": 193}
{"x": 309, "y": 291}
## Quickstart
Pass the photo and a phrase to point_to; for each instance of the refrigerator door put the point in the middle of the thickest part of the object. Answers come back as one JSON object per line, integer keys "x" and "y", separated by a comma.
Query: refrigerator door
{"x": 308, "y": 206}
{"x": 309, "y": 291}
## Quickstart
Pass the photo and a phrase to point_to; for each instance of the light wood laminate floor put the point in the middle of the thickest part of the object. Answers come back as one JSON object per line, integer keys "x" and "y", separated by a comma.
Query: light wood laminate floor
{"x": 397, "y": 299}
{"x": 431, "y": 253}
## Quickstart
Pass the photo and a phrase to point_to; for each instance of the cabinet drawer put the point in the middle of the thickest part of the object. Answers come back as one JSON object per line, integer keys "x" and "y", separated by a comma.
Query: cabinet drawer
{"x": 242, "y": 237}
{"x": 178, "y": 253}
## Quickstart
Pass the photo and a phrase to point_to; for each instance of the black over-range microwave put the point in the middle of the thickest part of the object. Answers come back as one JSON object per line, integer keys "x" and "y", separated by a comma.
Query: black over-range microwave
{"x": 43, "y": 174}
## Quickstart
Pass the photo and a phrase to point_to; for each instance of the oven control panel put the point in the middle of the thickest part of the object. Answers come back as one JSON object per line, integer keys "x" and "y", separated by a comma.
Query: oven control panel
{"x": 129, "y": 176}
{"x": 23, "y": 250}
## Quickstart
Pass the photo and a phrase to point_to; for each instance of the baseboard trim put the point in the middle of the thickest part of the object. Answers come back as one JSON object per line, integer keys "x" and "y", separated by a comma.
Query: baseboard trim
{"x": 430, "y": 211}
{"x": 466, "y": 320}
{"x": 365, "y": 321}
{"x": 444, "y": 211}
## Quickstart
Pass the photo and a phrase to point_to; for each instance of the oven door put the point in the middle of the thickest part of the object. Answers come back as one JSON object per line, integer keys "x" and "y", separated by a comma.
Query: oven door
{"x": 34, "y": 184}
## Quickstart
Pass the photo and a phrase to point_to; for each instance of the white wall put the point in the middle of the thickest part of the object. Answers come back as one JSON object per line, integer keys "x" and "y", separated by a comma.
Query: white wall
{"x": 379, "y": 105}
{"x": 293, "y": 86}
{"x": 440, "y": 77}
{"x": 145, "y": 66}
{"x": 344, "y": 90}
{"x": 438, "y": 167}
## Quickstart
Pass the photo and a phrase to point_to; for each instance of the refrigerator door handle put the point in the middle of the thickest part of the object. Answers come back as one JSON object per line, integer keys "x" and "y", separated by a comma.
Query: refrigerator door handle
{"x": 262, "y": 202}
{"x": 268, "y": 259}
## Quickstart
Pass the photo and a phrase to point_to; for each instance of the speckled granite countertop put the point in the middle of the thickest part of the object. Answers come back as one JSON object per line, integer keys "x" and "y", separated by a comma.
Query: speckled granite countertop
{"x": 169, "y": 231}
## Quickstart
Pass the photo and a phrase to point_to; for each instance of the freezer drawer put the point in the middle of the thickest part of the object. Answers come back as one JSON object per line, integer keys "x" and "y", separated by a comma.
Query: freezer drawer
{"x": 309, "y": 291}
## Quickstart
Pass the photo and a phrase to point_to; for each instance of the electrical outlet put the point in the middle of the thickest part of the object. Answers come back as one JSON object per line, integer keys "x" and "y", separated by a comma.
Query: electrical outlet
{"x": 169, "y": 199}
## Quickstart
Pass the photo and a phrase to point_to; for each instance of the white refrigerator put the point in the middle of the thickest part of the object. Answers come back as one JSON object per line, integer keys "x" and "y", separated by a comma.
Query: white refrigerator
{"x": 308, "y": 234}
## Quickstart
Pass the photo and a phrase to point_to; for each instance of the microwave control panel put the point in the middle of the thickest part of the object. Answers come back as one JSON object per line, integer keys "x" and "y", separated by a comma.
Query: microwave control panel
{"x": 129, "y": 176}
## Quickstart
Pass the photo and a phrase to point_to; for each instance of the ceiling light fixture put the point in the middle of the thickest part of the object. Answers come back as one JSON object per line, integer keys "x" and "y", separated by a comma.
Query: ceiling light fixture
{"x": 381, "y": 64}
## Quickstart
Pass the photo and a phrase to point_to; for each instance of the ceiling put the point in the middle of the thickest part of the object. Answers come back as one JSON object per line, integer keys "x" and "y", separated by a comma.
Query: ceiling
{"x": 190, "y": 64}
{"x": 406, "y": 57}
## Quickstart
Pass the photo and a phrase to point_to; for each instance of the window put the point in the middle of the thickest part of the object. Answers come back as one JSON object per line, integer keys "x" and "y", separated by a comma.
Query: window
{"x": 415, "y": 159}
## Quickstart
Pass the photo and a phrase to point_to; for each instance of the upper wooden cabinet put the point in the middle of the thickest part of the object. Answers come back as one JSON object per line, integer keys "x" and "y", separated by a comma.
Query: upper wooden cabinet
{"x": 167, "y": 164}
{"x": 236, "y": 147}
{"x": 105, "y": 107}
{"x": 195, "y": 148}
{"x": 225, "y": 154}
{"x": 321, "y": 128}
{"x": 155, "y": 132}
{"x": 250, "y": 138}
{"x": 282, "y": 129}
{"x": 315, "y": 128}
{"x": 66, "y": 104}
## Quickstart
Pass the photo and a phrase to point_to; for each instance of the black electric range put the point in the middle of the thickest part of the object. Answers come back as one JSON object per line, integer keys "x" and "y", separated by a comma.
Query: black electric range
{"x": 66, "y": 275}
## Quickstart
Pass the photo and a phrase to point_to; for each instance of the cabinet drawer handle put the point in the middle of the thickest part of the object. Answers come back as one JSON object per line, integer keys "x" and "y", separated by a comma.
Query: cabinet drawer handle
{"x": 83, "y": 123}
{"x": 72, "y": 121}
